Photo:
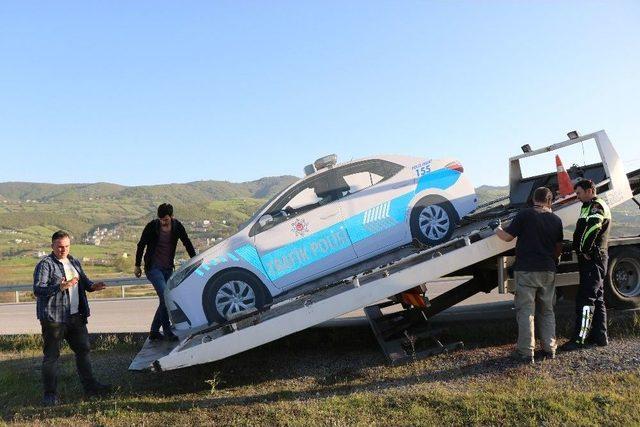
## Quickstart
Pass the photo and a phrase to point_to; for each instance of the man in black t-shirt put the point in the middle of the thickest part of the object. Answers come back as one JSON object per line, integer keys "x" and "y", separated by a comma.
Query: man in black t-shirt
{"x": 539, "y": 245}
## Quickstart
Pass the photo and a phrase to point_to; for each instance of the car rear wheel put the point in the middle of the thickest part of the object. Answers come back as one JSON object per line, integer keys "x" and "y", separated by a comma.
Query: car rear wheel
{"x": 232, "y": 294}
{"x": 433, "y": 221}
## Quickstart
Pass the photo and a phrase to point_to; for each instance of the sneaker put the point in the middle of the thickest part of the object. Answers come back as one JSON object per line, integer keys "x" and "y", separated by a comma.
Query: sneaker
{"x": 517, "y": 356}
{"x": 50, "y": 399}
{"x": 155, "y": 336}
{"x": 98, "y": 389}
{"x": 571, "y": 345}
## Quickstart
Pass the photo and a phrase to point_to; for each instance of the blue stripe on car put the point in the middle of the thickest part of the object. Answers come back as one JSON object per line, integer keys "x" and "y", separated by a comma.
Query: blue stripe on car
{"x": 442, "y": 179}
{"x": 250, "y": 254}
{"x": 305, "y": 251}
{"x": 365, "y": 224}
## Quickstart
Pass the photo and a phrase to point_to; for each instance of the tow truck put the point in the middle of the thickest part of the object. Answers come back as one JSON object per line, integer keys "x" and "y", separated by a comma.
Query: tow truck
{"x": 400, "y": 278}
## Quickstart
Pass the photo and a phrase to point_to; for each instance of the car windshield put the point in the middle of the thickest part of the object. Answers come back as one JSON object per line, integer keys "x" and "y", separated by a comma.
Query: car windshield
{"x": 257, "y": 212}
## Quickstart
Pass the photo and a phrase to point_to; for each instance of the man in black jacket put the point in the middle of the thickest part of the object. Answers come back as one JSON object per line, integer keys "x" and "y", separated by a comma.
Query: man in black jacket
{"x": 160, "y": 237}
{"x": 590, "y": 241}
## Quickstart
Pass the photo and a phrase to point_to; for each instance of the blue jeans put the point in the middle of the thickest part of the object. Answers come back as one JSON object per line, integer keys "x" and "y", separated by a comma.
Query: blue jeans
{"x": 158, "y": 278}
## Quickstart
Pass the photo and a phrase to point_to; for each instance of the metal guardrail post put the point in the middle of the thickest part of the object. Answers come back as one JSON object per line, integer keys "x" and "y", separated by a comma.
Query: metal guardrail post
{"x": 17, "y": 296}
{"x": 122, "y": 292}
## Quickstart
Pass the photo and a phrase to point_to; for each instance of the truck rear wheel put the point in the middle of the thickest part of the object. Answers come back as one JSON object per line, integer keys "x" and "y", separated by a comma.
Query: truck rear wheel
{"x": 622, "y": 285}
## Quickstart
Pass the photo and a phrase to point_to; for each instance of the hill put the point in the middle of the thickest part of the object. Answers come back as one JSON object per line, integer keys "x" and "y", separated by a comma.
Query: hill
{"x": 193, "y": 192}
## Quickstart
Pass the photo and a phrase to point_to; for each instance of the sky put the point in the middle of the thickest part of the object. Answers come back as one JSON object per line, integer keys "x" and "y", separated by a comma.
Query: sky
{"x": 153, "y": 92}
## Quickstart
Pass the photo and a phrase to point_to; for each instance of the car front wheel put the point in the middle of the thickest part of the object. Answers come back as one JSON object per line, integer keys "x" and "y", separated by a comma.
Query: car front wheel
{"x": 232, "y": 294}
{"x": 432, "y": 221}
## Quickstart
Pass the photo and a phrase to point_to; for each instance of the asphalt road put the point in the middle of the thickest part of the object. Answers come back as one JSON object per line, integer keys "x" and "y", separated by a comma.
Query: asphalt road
{"x": 135, "y": 314}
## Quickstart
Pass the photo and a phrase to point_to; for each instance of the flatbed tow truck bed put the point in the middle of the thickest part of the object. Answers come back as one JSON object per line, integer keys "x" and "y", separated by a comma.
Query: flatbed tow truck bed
{"x": 377, "y": 279}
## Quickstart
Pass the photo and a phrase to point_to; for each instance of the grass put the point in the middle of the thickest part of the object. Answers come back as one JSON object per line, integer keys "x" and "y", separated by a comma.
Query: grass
{"x": 328, "y": 376}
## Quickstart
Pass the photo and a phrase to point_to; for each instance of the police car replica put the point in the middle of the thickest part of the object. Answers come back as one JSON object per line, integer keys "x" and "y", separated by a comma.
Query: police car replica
{"x": 338, "y": 215}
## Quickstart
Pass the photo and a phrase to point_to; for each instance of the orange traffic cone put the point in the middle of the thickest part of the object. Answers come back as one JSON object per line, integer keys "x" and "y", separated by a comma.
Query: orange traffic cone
{"x": 564, "y": 181}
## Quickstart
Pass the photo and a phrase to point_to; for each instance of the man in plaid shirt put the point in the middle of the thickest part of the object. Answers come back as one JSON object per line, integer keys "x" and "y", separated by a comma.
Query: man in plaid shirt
{"x": 60, "y": 286}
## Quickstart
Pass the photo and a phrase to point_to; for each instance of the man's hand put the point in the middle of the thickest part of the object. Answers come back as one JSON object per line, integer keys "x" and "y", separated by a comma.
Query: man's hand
{"x": 98, "y": 286}
{"x": 67, "y": 284}
{"x": 137, "y": 271}
{"x": 495, "y": 224}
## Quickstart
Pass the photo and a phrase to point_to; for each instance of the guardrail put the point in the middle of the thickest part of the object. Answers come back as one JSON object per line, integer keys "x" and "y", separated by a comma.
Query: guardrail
{"x": 111, "y": 283}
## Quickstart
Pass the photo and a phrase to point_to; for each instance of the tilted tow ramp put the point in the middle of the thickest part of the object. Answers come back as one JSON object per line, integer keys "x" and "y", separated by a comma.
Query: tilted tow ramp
{"x": 473, "y": 243}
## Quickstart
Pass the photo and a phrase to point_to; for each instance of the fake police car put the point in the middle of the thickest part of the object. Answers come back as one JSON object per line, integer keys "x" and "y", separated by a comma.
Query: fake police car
{"x": 338, "y": 215}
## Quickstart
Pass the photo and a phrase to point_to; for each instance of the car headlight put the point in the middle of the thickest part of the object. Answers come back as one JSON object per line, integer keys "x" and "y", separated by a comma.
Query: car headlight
{"x": 180, "y": 275}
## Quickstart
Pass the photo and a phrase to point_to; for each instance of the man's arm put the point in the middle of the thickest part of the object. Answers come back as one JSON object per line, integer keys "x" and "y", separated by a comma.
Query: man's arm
{"x": 184, "y": 238}
{"x": 557, "y": 251}
{"x": 512, "y": 231}
{"x": 503, "y": 235}
{"x": 559, "y": 240}
{"x": 144, "y": 239}
{"x": 41, "y": 276}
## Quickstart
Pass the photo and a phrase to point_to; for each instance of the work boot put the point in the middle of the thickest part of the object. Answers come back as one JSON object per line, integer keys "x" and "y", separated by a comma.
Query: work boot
{"x": 97, "y": 389}
{"x": 571, "y": 345}
{"x": 546, "y": 355}
{"x": 50, "y": 399}
{"x": 519, "y": 357}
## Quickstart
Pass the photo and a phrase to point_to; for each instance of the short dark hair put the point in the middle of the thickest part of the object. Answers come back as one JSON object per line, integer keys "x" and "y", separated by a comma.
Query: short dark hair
{"x": 585, "y": 184}
{"x": 542, "y": 195}
{"x": 60, "y": 234}
{"x": 164, "y": 210}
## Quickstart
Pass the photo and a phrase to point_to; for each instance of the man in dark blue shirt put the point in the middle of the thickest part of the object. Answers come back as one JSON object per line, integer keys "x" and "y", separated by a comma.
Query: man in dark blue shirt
{"x": 60, "y": 286}
{"x": 539, "y": 245}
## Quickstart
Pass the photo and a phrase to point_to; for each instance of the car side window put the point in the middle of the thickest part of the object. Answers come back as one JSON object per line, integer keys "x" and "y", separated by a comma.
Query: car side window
{"x": 367, "y": 173}
{"x": 305, "y": 198}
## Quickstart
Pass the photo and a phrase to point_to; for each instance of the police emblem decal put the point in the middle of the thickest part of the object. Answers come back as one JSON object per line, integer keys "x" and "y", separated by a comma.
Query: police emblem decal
{"x": 300, "y": 227}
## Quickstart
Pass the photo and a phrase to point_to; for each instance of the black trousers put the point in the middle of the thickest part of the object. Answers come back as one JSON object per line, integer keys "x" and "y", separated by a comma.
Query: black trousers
{"x": 76, "y": 334}
{"x": 591, "y": 313}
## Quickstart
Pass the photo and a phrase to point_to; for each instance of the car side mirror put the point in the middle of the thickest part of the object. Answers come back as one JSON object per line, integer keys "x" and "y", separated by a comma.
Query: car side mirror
{"x": 265, "y": 220}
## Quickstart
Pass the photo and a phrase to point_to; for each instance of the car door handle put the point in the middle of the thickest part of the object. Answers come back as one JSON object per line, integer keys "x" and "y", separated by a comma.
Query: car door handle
{"x": 329, "y": 216}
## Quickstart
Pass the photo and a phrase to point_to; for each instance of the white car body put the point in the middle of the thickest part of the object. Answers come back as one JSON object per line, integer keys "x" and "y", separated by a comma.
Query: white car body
{"x": 317, "y": 235}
